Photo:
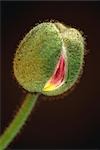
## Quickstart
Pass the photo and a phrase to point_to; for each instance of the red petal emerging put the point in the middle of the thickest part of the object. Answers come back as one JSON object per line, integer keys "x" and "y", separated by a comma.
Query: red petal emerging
{"x": 59, "y": 73}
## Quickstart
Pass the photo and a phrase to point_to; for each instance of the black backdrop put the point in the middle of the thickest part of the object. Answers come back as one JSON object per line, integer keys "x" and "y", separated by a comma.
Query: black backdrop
{"x": 70, "y": 122}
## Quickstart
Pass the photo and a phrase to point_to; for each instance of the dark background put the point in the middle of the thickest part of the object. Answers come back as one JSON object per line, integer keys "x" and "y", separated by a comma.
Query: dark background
{"x": 69, "y": 122}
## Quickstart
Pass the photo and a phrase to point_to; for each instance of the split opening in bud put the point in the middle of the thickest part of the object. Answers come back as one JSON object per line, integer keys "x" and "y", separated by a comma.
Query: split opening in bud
{"x": 57, "y": 79}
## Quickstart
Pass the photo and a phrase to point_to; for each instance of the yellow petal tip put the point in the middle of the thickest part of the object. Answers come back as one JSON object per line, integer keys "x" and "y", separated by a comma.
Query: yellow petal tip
{"x": 49, "y": 87}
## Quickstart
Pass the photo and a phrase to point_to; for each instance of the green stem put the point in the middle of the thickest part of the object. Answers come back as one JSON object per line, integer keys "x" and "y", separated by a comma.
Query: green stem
{"x": 18, "y": 121}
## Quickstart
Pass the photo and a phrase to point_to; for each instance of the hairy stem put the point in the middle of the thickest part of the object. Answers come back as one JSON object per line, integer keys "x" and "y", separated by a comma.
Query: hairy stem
{"x": 18, "y": 121}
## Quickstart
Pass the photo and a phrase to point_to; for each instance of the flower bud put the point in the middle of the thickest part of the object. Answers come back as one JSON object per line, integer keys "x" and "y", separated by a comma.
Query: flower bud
{"x": 49, "y": 59}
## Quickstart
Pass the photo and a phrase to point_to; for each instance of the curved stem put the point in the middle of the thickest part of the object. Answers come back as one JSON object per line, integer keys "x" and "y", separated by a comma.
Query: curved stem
{"x": 18, "y": 121}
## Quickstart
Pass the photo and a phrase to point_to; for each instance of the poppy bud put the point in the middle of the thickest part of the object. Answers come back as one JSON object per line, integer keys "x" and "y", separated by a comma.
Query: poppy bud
{"x": 49, "y": 59}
